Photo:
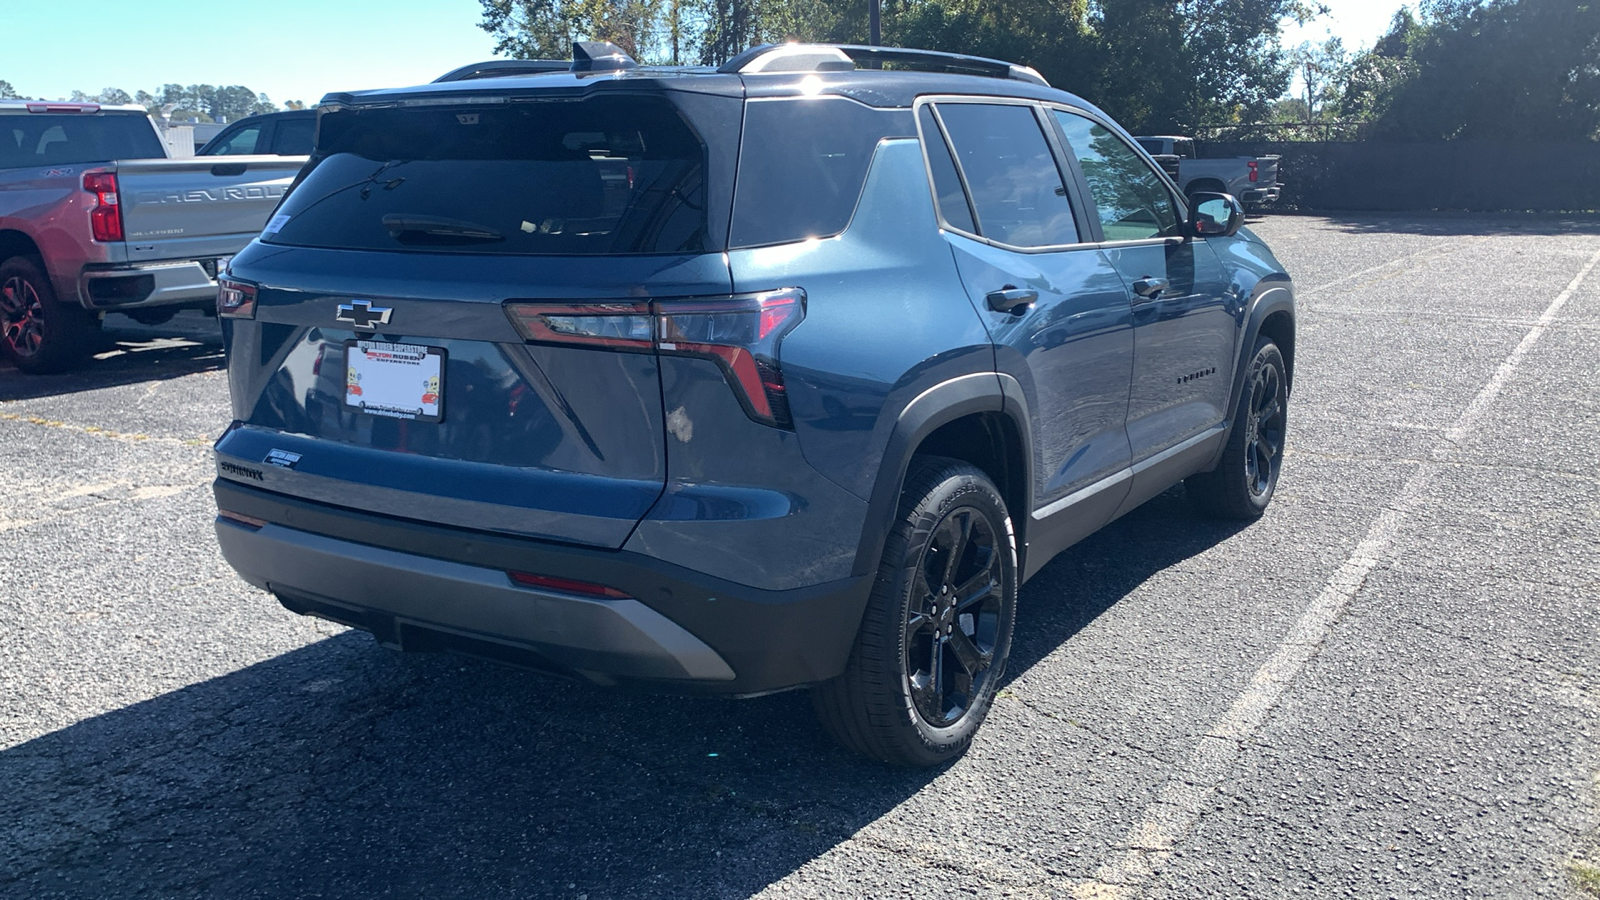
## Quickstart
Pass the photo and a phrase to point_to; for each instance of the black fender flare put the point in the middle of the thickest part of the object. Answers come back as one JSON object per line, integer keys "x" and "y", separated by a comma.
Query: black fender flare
{"x": 1270, "y": 295}
{"x": 937, "y": 406}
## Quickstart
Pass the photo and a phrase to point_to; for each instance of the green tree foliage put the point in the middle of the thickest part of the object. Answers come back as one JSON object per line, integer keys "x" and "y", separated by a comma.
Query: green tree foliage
{"x": 1168, "y": 64}
{"x": 7, "y": 92}
{"x": 1512, "y": 69}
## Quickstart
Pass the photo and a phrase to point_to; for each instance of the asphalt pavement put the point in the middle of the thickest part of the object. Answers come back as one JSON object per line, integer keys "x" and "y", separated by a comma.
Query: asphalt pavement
{"x": 1387, "y": 687}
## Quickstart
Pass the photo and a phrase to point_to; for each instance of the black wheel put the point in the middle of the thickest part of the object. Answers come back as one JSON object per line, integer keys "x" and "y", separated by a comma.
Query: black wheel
{"x": 934, "y": 641}
{"x": 1241, "y": 486}
{"x": 37, "y": 332}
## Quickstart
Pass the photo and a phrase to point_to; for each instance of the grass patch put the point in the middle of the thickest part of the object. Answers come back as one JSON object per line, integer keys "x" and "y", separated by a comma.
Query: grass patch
{"x": 1586, "y": 876}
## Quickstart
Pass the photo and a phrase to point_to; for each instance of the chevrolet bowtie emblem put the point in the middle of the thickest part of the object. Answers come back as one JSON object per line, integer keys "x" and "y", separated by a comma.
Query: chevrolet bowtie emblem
{"x": 363, "y": 314}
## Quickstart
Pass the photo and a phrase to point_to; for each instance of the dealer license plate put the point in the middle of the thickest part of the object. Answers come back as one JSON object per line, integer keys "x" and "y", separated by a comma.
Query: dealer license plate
{"x": 401, "y": 381}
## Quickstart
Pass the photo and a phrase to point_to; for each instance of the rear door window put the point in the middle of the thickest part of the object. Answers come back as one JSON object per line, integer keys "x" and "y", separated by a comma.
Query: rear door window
{"x": 1016, "y": 188}
{"x": 951, "y": 196}
{"x": 1133, "y": 202}
{"x": 607, "y": 175}
{"x": 44, "y": 139}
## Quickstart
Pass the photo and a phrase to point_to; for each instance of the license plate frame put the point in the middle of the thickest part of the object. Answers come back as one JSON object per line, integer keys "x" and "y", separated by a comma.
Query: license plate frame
{"x": 392, "y": 380}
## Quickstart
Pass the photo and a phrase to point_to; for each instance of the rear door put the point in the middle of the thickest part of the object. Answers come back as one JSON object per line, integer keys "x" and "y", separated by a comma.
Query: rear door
{"x": 452, "y": 320}
{"x": 1060, "y": 315}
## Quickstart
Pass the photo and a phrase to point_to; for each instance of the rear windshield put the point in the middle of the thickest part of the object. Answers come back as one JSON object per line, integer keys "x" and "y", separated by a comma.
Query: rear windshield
{"x": 607, "y": 175}
{"x": 66, "y": 139}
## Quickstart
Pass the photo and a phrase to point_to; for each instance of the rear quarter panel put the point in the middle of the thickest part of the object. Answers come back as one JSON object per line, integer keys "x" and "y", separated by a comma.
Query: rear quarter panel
{"x": 886, "y": 319}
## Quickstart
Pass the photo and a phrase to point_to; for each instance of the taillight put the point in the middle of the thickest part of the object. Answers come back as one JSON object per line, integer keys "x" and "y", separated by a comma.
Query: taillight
{"x": 617, "y": 326}
{"x": 235, "y": 299}
{"x": 1253, "y": 173}
{"x": 741, "y": 333}
{"x": 105, "y": 220}
{"x": 566, "y": 585}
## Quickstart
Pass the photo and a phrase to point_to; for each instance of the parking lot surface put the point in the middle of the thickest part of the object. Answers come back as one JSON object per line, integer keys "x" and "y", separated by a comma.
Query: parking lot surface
{"x": 1387, "y": 687}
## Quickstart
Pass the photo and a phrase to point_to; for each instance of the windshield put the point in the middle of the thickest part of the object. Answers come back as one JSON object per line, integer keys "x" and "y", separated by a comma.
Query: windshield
{"x": 608, "y": 175}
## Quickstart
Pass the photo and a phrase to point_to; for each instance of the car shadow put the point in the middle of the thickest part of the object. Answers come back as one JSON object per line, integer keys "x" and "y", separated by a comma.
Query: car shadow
{"x": 342, "y": 769}
{"x": 126, "y": 352}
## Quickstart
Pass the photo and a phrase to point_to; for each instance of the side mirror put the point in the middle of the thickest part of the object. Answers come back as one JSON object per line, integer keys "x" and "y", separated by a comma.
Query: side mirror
{"x": 1214, "y": 215}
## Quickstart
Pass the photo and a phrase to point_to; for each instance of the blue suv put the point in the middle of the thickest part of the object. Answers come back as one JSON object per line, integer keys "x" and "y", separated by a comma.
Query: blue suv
{"x": 783, "y": 374}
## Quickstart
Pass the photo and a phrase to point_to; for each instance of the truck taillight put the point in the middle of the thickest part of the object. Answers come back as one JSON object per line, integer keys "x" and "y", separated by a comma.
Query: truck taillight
{"x": 740, "y": 333}
{"x": 235, "y": 299}
{"x": 1254, "y": 173}
{"x": 105, "y": 220}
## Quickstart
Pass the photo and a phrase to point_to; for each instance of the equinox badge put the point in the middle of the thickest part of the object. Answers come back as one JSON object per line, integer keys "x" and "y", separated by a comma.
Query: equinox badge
{"x": 363, "y": 314}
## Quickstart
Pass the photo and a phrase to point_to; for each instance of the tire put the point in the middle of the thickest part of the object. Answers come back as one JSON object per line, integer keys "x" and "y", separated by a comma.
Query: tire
{"x": 910, "y": 695}
{"x": 37, "y": 332}
{"x": 1242, "y": 484}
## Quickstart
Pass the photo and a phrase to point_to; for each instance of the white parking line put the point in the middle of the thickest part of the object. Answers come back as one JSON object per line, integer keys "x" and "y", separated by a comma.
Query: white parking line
{"x": 1172, "y": 815}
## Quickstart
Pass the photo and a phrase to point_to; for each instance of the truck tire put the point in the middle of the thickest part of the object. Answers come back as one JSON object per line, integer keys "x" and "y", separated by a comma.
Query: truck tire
{"x": 37, "y": 332}
{"x": 937, "y": 631}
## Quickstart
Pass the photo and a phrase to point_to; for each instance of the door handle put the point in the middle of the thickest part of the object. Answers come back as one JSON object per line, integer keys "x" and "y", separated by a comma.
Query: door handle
{"x": 1149, "y": 287}
{"x": 1012, "y": 299}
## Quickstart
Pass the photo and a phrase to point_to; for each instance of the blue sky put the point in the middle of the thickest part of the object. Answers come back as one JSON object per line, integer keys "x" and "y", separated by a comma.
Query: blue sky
{"x": 302, "y": 49}
{"x": 288, "y": 49}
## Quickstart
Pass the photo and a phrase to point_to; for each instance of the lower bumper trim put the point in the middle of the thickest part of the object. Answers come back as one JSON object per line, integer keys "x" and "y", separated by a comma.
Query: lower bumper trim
{"x": 387, "y": 592}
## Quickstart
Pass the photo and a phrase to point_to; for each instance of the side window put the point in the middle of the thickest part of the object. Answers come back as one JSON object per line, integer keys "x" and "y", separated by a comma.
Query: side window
{"x": 293, "y": 137}
{"x": 1133, "y": 203}
{"x": 802, "y": 166}
{"x": 242, "y": 142}
{"x": 946, "y": 183}
{"x": 1017, "y": 190}
{"x": 1151, "y": 147}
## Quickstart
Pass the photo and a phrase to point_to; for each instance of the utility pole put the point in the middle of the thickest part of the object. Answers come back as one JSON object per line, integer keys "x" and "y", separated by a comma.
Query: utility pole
{"x": 876, "y": 27}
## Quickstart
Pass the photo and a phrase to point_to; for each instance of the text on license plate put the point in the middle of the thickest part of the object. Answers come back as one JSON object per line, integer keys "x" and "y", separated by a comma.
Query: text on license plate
{"x": 402, "y": 381}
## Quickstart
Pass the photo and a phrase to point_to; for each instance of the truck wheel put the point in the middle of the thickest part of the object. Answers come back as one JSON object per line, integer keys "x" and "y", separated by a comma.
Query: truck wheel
{"x": 1241, "y": 485}
{"x": 937, "y": 631}
{"x": 38, "y": 333}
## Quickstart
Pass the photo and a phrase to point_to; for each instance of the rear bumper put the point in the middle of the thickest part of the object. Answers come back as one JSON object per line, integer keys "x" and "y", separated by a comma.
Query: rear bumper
{"x": 157, "y": 284}
{"x": 427, "y": 587}
{"x": 1262, "y": 195}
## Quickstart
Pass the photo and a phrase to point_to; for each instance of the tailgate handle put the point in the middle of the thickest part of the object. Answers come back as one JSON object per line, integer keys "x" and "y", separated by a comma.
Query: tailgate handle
{"x": 229, "y": 168}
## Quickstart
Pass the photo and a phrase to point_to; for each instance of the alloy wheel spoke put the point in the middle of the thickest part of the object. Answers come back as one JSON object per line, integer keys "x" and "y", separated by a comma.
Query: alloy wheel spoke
{"x": 972, "y": 659}
{"x": 936, "y": 676}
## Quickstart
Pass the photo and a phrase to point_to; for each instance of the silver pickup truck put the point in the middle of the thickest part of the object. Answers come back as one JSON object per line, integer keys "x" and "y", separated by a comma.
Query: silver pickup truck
{"x": 1252, "y": 179}
{"x": 94, "y": 219}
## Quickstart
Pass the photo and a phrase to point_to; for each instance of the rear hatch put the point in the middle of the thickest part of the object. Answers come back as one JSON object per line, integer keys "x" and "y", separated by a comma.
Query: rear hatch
{"x": 451, "y": 314}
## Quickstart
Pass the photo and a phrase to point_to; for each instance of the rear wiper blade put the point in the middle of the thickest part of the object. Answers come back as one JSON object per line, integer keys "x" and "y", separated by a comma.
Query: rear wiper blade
{"x": 403, "y": 227}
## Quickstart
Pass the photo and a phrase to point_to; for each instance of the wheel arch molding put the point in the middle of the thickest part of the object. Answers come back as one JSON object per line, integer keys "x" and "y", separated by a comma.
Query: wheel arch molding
{"x": 971, "y": 417}
{"x": 1271, "y": 313}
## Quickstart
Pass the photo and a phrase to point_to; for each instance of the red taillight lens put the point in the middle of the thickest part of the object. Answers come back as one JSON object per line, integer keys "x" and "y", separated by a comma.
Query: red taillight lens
{"x": 250, "y": 522}
{"x": 618, "y": 326}
{"x": 566, "y": 585}
{"x": 105, "y": 220}
{"x": 740, "y": 333}
{"x": 235, "y": 299}
{"x": 1253, "y": 173}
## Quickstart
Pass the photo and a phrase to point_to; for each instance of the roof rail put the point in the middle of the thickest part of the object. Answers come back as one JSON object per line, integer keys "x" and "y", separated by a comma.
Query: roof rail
{"x": 828, "y": 58}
